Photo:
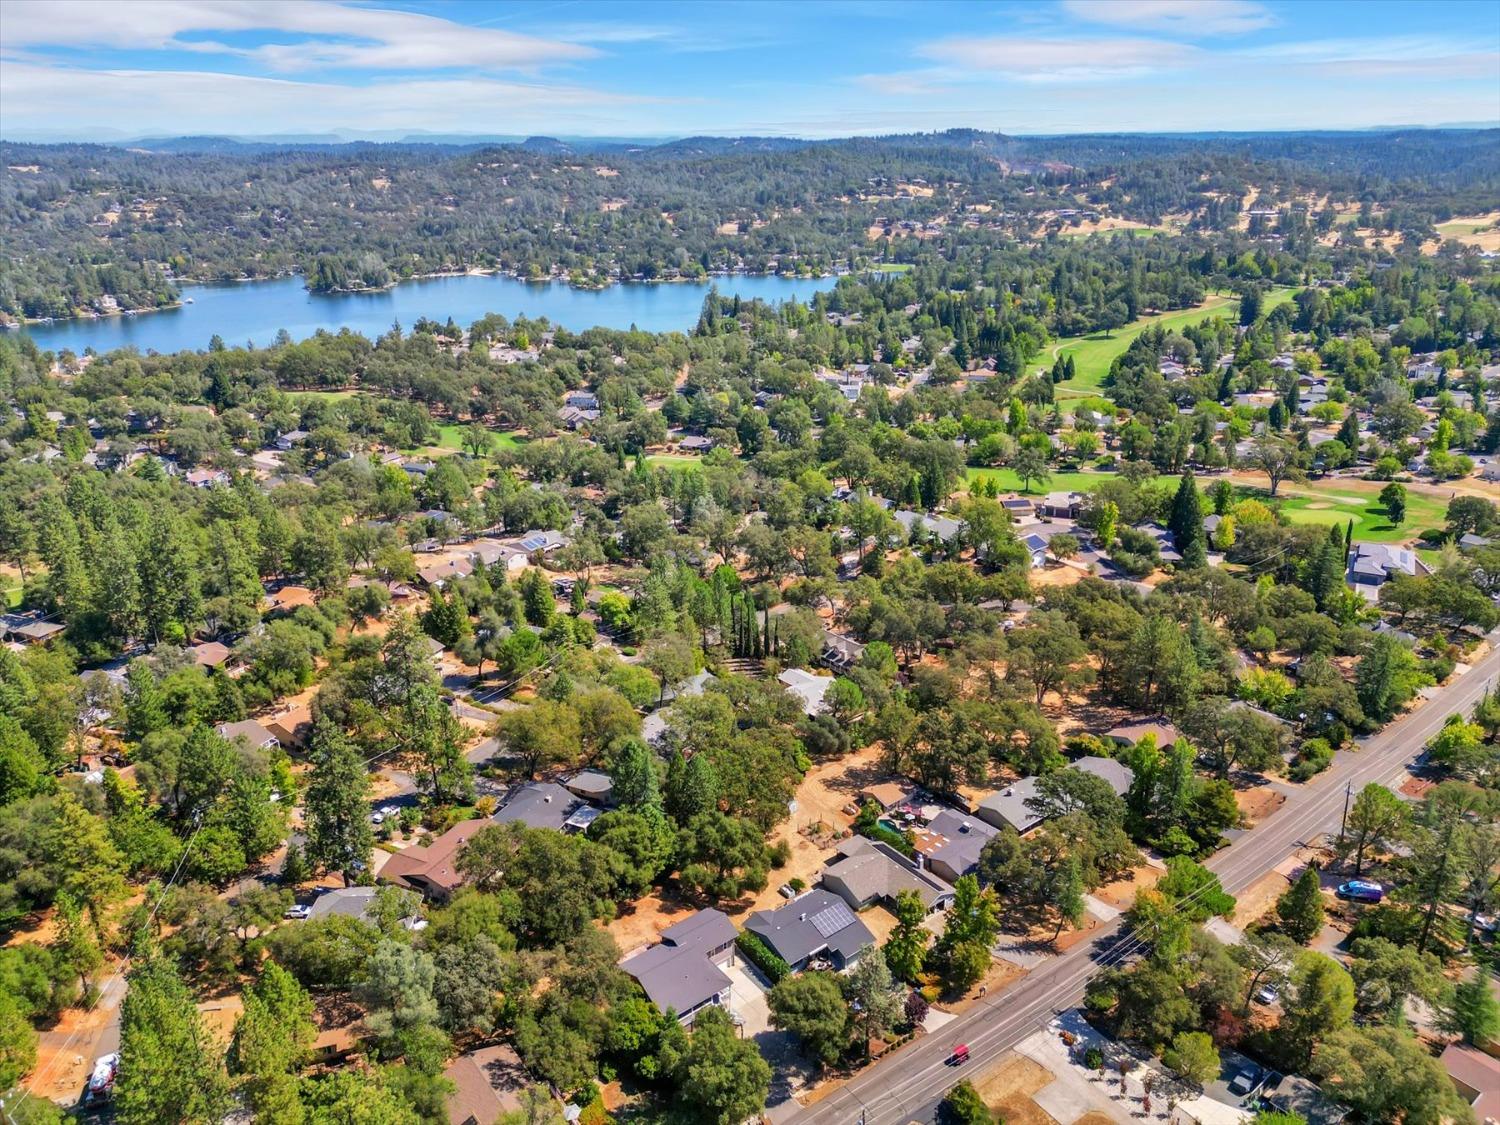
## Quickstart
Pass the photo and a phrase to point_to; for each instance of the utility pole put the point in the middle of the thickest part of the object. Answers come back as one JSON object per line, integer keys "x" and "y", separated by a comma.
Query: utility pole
{"x": 1344, "y": 823}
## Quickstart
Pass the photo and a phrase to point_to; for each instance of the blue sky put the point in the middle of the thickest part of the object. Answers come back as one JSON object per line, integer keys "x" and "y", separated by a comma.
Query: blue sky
{"x": 100, "y": 69}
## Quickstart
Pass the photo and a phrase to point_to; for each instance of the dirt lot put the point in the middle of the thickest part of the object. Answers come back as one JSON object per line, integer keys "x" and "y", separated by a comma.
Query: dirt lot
{"x": 1121, "y": 893}
{"x": 1258, "y": 803}
{"x": 1000, "y": 975}
{"x": 1008, "y": 1087}
{"x": 821, "y": 798}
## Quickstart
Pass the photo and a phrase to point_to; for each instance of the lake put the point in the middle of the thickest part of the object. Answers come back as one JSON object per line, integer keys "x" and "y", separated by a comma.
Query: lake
{"x": 255, "y": 311}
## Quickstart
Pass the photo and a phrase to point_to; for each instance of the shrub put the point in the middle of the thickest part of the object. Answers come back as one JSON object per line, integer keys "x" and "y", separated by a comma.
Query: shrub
{"x": 1314, "y": 758}
{"x": 779, "y": 853}
{"x": 1093, "y": 1058}
{"x": 964, "y": 1106}
{"x": 759, "y": 954}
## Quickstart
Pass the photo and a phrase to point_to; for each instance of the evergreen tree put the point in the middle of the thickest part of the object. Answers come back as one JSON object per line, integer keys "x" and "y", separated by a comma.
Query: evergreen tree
{"x": 337, "y": 804}
{"x": 906, "y": 948}
{"x": 1301, "y": 907}
{"x": 170, "y": 1069}
{"x": 1473, "y": 1012}
{"x": 271, "y": 1041}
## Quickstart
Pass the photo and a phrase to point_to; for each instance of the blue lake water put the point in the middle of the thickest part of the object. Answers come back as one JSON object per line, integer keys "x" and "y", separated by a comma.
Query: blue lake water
{"x": 255, "y": 311}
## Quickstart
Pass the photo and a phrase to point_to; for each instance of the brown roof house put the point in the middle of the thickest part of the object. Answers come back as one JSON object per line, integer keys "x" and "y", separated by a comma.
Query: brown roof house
{"x": 293, "y": 726}
{"x": 1477, "y": 1077}
{"x": 487, "y": 1084}
{"x": 433, "y": 870}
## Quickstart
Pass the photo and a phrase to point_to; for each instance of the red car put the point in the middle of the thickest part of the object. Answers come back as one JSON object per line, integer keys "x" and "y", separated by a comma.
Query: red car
{"x": 959, "y": 1056}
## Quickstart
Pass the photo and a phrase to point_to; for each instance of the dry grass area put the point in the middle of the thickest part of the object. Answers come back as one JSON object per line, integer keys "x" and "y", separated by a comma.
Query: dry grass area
{"x": 1261, "y": 895}
{"x": 1258, "y": 803}
{"x": 1121, "y": 893}
{"x": 1001, "y": 974}
{"x": 812, "y": 833}
{"x": 1008, "y": 1088}
{"x": 220, "y": 1014}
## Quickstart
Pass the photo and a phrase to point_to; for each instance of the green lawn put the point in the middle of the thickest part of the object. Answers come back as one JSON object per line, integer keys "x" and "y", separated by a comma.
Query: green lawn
{"x": 1092, "y": 355}
{"x": 891, "y": 267}
{"x": 1455, "y": 227}
{"x": 451, "y": 436}
{"x": 1060, "y": 482}
{"x": 322, "y": 394}
{"x": 1132, "y": 231}
{"x": 1330, "y": 505}
{"x": 677, "y": 462}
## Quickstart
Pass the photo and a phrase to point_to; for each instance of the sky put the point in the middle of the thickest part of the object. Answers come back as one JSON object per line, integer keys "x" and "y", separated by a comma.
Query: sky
{"x": 118, "y": 69}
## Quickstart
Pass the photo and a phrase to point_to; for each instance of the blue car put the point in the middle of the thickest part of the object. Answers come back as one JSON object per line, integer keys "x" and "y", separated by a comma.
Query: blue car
{"x": 1361, "y": 890}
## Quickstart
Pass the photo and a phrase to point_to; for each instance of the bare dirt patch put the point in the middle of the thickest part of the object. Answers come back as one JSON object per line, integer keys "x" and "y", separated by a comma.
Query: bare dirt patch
{"x": 1000, "y": 975}
{"x": 1008, "y": 1088}
{"x": 1258, "y": 803}
{"x": 1121, "y": 893}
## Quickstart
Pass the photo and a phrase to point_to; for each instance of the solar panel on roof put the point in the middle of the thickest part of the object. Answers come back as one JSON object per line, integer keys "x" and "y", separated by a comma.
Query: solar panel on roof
{"x": 831, "y": 919}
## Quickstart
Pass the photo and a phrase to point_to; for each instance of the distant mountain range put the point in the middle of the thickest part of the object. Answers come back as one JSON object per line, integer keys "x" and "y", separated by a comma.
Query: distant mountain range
{"x": 996, "y": 144}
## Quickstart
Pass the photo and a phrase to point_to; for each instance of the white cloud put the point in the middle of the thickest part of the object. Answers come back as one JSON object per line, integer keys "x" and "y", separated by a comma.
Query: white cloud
{"x": 1412, "y": 55}
{"x": 1188, "y": 18}
{"x": 1034, "y": 59}
{"x": 146, "y": 102}
{"x": 346, "y": 36}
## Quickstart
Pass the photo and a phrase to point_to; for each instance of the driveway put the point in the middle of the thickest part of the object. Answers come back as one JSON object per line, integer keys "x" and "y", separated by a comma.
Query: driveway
{"x": 790, "y": 1072}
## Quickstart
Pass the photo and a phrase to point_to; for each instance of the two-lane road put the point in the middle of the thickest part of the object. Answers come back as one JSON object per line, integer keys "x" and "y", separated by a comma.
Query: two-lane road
{"x": 908, "y": 1085}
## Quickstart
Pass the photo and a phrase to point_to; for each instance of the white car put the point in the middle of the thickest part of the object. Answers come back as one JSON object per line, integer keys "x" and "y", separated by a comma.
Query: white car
{"x": 298, "y": 913}
{"x": 377, "y": 818}
{"x": 1267, "y": 994}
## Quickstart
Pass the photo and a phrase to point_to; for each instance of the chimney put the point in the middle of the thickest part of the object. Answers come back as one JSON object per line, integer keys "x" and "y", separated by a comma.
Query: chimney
{"x": 802, "y": 917}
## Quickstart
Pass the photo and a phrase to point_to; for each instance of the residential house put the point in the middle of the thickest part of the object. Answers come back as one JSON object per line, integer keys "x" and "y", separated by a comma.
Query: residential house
{"x": 1477, "y": 1078}
{"x": 487, "y": 1085}
{"x": 814, "y": 926}
{"x": 951, "y": 844}
{"x": 291, "y": 726}
{"x": 594, "y": 786}
{"x": 210, "y": 654}
{"x": 206, "y": 478}
{"x": 695, "y": 443}
{"x": 810, "y": 689}
{"x": 1036, "y": 550}
{"x": 867, "y": 871}
{"x": 840, "y": 653}
{"x": 1371, "y": 565}
{"x": 942, "y": 528}
{"x": 545, "y": 804}
{"x": 255, "y": 735}
{"x": 684, "y": 972}
{"x": 1128, "y": 734}
{"x": 29, "y": 628}
{"x": 1061, "y": 505}
{"x": 359, "y": 902}
{"x": 1010, "y": 807}
{"x": 433, "y": 870}
{"x": 291, "y": 439}
{"x": 438, "y": 574}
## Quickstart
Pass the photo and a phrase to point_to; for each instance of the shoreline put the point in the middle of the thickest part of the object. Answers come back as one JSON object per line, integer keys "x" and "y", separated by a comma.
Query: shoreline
{"x": 477, "y": 271}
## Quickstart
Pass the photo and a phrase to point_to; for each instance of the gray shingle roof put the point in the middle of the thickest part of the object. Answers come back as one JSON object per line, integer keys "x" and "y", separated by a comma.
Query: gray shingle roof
{"x": 811, "y": 923}
{"x": 678, "y": 974}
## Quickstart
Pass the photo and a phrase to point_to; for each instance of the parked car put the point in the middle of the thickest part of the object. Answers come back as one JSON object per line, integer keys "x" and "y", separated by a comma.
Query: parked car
{"x": 1267, "y": 994}
{"x": 377, "y": 818}
{"x": 1361, "y": 890}
{"x": 1246, "y": 1079}
{"x": 298, "y": 912}
{"x": 102, "y": 1079}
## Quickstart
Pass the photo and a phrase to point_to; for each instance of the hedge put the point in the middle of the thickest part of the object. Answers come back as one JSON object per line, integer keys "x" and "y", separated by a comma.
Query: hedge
{"x": 759, "y": 954}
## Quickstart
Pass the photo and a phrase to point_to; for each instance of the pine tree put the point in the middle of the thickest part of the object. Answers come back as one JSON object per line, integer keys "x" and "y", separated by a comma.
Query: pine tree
{"x": 337, "y": 804}
{"x": 170, "y": 1069}
{"x": 1301, "y": 907}
{"x": 1473, "y": 1012}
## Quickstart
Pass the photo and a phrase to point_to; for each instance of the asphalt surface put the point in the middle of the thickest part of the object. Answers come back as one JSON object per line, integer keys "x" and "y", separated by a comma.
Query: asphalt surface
{"x": 907, "y": 1086}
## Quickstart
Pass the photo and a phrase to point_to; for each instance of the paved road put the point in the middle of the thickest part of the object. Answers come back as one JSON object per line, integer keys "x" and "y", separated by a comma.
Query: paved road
{"x": 907, "y": 1086}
